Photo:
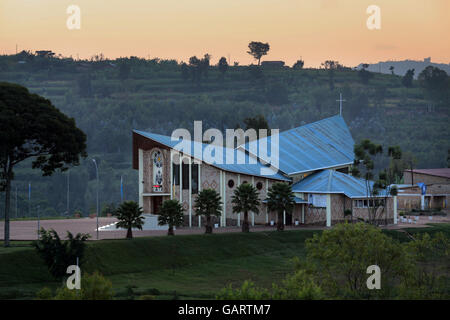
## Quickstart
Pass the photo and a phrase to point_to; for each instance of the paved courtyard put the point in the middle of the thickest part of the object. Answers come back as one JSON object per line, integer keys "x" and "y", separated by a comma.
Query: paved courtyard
{"x": 27, "y": 230}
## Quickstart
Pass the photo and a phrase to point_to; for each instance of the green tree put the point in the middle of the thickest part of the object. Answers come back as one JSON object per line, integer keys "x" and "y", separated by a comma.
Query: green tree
{"x": 365, "y": 75}
{"x": 391, "y": 68}
{"x": 33, "y": 128}
{"x": 366, "y": 153}
{"x": 184, "y": 71}
{"x": 436, "y": 83}
{"x": 281, "y": 200}
{"x": 93, "y": 287}
{"x": 124, "y": 70}
{"x": 258, "y": 49}
{"x": 223, "y": 66}
{"x": 258, "y": 122}
{"x": 429, "y": 278}
{"x": 208, "y": 204}
{"x": 331, "y": 66}
{"x": 171, "y": 214}
{"x": 58, "y": 254}
{"x": 298, "y": 65}
{"x": 338, "y": 258}
{"x": 84, "y": 85}
{"x": 245, "y": 199}
{"x": 130, "y": 216}
{"x": 277, "y": 93}
{"x": 408, "y": 78}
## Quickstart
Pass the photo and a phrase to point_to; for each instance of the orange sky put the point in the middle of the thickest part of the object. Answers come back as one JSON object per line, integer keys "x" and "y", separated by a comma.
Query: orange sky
{"x": 315, "y": 30}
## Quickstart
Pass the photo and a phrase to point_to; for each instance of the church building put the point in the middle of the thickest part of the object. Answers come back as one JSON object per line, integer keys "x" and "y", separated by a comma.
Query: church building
{"x": 315, "y": 158}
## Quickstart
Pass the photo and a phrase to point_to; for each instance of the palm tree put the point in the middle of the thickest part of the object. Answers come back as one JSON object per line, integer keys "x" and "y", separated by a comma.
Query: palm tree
{"x": 172, "y": 214}
{"x": 245, "y": 199}
{"x": 208, "y": 204}
{"x": 130, "y": 216}
{"x": 280, "y": 199}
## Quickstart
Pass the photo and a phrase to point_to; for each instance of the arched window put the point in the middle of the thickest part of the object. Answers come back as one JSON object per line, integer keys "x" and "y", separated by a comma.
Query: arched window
{"x": 158, "y": 167}
{"x": 259, "y": 185}
{"x": 230, "y": 183}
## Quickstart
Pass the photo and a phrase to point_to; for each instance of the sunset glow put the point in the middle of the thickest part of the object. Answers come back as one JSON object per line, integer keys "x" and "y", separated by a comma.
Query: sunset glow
{"x": 177, "y": 29}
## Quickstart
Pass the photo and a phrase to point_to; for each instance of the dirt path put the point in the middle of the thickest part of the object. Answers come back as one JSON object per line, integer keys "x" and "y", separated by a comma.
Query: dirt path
{"x": 27, "y": 230}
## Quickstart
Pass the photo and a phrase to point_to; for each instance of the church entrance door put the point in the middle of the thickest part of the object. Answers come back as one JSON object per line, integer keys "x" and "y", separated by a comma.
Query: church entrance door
{"x": 288, "y": 219}
{"x": 157, "y": 203}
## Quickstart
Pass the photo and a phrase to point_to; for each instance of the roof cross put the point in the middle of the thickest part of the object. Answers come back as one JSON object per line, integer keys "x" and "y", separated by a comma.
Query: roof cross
{"x": 340, "y": 103}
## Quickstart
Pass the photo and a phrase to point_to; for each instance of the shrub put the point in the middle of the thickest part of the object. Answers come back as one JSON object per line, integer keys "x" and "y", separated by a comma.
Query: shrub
{"x": 57, "y": 254}
{"x": 248, "y": 291}
{"x": 338, "y": 259}
{"x": 44, "y": 294}
{"x": 93, "y": 287}
{"x": 96, "y": 287}
{"x": 147, "y": 297}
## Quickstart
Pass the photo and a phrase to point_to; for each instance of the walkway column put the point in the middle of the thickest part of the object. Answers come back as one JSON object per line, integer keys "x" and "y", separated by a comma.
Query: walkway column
{"x": 190, "y": 192}
{"x": 141, "y": 178}
{"x": 328, "y": 210}
{"x": 267, "y": 207}
{"x": 253, "y": 214}
{"x": 395, "y": 210}
{"x": 224, "y": 199}
{"x": 199, "y": 189}
{"x": 239, "y": 215}
{"x": 284, "y": 217}
{"x": 422, "y": 202}
{"x": 303, "y": 213}
{"x": 171, "y": 174}
{"x": 180, "y": 159}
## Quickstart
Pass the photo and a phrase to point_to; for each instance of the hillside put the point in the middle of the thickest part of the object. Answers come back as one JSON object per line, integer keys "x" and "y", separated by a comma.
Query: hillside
{"x": 110, "y": 98}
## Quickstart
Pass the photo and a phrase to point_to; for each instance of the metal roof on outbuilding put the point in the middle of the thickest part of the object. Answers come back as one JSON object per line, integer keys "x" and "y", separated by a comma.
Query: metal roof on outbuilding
{"x": 319, "y": 145}
{"x": 331, "y": 181}
{"x": 243, "y": 167}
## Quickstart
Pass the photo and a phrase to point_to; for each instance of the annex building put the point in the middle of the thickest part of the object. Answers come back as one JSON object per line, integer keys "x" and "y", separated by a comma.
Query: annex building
{"x": 315, "y": 158}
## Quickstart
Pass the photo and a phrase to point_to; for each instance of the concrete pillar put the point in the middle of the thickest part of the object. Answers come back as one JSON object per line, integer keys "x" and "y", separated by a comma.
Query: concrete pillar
{"x": 141, "y": 178}
{"x": 328, "y": 210}
{"x": 422, "y": 202}
{"x": 171, "y": 175}
{"x": 190, "y": 192}
{"x": 224, "y": 199}
{"x": 180, "y": 159}
{"x": 267, "y": 209}
{"x": 199, "y": 189}
{"x": 239, "y": 215}
{"x": 253, "y": 214}
{"x": 395, "y": 210}
{"x": 303, "y": 213}
{"x": 284, "y": 217}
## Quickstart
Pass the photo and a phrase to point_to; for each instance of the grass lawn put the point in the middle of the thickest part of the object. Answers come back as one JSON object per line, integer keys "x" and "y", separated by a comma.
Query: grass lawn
{"x": 193, "y": 266}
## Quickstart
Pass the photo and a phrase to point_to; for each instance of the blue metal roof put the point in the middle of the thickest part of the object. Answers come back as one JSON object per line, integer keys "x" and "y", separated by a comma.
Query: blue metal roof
{"x": 296, "y": 199}
{"x": 331, "y": 181}
{"x": 319, "y": 145}
{"x": 245, "y": 166}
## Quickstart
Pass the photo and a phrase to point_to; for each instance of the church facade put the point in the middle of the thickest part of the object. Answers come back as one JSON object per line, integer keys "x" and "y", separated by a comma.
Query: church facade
{"x": 314, "y": 158}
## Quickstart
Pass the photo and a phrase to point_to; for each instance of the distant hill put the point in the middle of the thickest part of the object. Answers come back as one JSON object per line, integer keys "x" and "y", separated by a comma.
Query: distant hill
{"x": 400, "y": 67}
{"x": 109, "y": 98}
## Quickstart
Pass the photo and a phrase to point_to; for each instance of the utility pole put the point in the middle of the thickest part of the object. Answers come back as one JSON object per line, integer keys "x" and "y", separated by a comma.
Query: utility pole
{"x": 68, "y": 193}
{"x": 96, "y": 170}
{"x": 121, "y": 189}
{"x": 39, "y": 220}
{"x": 29, "y": 199}
{"x": 16, "y": 202}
